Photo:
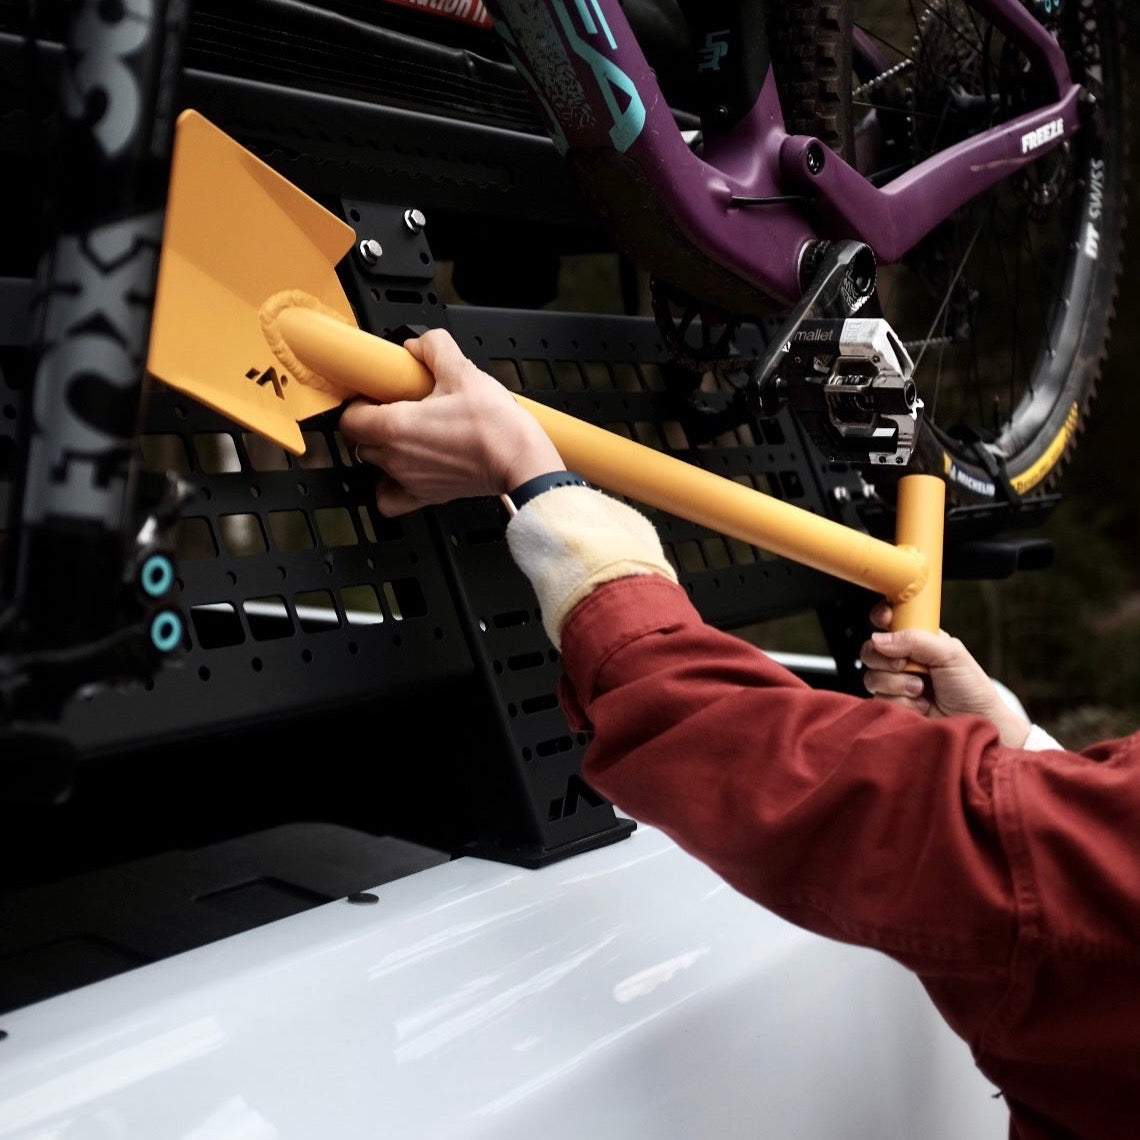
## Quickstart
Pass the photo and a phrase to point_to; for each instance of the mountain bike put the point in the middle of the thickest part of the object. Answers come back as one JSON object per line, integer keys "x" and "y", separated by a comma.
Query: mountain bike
{"x": 899, "y": 224}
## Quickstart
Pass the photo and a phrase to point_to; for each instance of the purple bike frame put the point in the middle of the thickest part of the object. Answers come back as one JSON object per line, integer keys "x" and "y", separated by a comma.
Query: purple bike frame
{"x": 599, "y": 91}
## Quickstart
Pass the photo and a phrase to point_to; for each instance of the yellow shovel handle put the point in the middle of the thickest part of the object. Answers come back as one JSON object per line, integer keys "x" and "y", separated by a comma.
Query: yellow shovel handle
{"x": 386, "y": 372}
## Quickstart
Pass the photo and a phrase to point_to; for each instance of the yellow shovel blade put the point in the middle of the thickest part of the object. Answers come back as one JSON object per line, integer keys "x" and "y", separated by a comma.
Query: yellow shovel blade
{"x": 236, "y": 233}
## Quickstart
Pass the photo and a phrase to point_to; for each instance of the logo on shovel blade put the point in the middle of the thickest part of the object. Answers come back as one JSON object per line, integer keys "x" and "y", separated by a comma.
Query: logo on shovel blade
{"x": 269, "y": 376}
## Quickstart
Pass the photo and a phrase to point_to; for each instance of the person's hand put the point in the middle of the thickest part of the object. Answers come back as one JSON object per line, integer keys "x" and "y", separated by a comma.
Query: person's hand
{"x": 955, "y": 683}
{"x": 467, "y": 437}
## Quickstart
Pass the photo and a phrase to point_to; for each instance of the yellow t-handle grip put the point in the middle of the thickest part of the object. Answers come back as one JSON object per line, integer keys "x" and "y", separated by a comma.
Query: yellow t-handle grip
{"x": 322, "y": 349}
{"x": 919, "y": 522}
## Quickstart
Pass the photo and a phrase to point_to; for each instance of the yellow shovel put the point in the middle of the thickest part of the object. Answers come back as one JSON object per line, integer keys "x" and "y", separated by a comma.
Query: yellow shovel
{"x": 251, "y": 319}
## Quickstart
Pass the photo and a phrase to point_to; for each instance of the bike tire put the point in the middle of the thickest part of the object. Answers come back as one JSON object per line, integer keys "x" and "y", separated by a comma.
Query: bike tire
{"x": 1007, "y": 307}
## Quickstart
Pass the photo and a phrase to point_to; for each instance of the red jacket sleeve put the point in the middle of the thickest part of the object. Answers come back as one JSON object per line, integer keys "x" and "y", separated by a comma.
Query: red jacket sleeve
{"x": 851, "y": 817}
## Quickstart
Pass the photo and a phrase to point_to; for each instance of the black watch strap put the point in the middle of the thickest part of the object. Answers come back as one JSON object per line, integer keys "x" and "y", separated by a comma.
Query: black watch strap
{"x": 515, "y": 500}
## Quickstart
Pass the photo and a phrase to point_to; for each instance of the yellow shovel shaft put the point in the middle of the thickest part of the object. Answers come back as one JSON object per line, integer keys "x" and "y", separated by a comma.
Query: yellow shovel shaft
{"x": 386, "y": 372}
{"x": 658, "y": 480}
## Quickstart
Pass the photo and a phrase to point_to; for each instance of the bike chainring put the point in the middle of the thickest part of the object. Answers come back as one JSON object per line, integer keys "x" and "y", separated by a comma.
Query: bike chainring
{"x": 697, "y": 336}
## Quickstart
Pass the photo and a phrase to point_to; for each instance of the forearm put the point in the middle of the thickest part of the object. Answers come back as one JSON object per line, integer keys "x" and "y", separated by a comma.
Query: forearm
{"x": 571, "y": 540}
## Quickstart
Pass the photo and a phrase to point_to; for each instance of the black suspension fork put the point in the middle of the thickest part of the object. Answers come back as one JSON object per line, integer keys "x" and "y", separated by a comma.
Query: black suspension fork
{"x": 88, "y": 580}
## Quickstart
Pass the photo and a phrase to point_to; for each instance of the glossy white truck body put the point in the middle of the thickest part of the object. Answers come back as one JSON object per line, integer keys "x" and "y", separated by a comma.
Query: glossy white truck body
{"x": 621, "y": 993}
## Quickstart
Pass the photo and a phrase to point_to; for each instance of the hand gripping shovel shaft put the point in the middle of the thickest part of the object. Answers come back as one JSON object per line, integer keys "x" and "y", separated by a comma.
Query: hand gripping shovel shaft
{"x": 252, "y": 320}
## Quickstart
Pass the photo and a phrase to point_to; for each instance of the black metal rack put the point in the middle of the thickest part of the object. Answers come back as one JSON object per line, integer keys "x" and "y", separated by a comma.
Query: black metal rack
{"x": 303, "y": 602}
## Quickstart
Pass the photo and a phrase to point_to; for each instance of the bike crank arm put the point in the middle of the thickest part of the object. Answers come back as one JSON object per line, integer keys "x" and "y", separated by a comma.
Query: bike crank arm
{"x": 842, "y": 278}
{"x": 847, "y": 378}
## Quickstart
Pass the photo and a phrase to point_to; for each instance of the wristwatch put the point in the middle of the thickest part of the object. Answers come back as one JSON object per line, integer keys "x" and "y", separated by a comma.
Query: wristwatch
{"x": 515, "y": 500}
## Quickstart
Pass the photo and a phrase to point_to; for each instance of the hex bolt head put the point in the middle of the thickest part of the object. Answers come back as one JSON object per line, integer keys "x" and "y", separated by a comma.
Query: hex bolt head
{"x": 370, "y": 250}
{"x": 414, "y": 219}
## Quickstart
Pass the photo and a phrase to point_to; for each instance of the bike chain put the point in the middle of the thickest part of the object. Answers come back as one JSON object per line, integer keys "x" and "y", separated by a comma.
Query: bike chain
{"x": 879, "y": 80}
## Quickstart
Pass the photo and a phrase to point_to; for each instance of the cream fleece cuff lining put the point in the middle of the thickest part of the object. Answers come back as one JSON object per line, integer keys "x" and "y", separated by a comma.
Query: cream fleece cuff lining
{"x": 570, "y": 540}
{"x": 1039, "y": 740}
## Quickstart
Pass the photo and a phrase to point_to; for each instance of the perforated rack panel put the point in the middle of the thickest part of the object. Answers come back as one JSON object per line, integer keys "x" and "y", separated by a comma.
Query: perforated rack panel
{"x": 314, "y": 623}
